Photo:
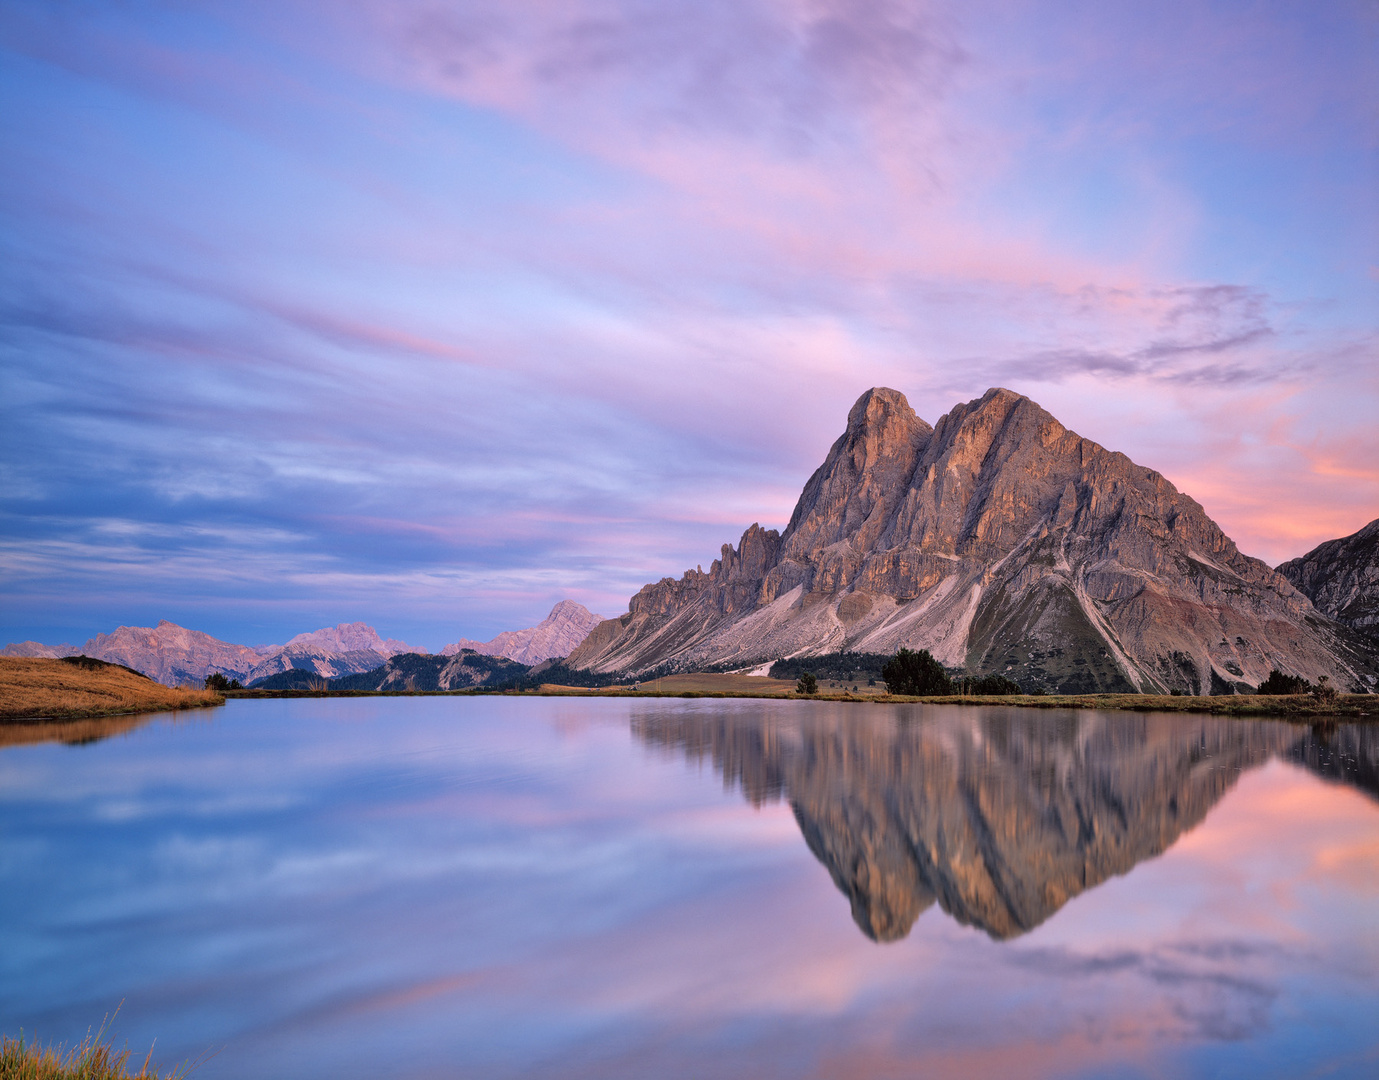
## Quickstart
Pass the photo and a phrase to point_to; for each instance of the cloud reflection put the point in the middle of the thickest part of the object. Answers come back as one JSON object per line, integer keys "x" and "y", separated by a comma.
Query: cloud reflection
{"x": 515, "y": 887}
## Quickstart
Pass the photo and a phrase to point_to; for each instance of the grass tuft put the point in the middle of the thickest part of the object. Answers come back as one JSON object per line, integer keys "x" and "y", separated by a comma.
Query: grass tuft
{"x": 91, "y": 1059}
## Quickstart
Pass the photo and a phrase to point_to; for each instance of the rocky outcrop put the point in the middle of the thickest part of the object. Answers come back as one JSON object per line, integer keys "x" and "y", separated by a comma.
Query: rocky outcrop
{"x": 1341, "y": 578}
{"x": 999, "y": 817}
{"x": 1003, "y": 543}
{"x": 557, "y": 635}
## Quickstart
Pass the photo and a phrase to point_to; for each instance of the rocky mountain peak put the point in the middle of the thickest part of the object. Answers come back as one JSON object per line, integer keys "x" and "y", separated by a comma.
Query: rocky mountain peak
{"x": 1003, "y": 543}
{"x": 851, "y": 495}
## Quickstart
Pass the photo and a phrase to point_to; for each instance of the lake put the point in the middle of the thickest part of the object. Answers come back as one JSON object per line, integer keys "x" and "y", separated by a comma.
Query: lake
{"x": 523, "y": 887}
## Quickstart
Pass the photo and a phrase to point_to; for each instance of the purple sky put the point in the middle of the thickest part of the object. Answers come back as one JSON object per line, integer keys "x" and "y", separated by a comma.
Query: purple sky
{"x": 433, "y": 313}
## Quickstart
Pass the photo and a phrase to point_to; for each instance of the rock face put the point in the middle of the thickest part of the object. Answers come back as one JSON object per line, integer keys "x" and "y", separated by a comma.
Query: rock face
{"x": 1003, "y": 543}
{"x": 558, "y": 634}
{"x": 997, "y": 816}
{"x": 1341, "y": 578}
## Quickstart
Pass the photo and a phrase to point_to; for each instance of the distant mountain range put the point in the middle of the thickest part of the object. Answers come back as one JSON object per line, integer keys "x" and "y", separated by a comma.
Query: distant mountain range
{"x": 1005, "y": 544}
{"x": 174, "y": 655}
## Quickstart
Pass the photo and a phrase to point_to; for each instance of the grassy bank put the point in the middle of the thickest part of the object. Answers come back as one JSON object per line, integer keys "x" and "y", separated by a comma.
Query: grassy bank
{"x": 76, "y": 688}
{"x": 741, "y": 686}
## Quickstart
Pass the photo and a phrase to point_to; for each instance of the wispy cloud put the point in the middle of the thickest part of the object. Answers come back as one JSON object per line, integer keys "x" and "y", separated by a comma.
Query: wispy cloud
{"x": 558, "y": 296}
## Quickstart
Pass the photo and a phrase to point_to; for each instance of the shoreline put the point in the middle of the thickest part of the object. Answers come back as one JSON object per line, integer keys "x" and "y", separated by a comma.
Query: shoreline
{"x": 1244, "y": 705}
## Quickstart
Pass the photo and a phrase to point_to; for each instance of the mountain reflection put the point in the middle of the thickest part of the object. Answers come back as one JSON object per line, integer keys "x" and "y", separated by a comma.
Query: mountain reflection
{"x": 1000, "y": 816}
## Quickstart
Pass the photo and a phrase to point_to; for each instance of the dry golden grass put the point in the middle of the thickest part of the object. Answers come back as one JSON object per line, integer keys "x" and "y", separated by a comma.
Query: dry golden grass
{"x": 33, "y": 688}
{"x": 91, "y": 1059}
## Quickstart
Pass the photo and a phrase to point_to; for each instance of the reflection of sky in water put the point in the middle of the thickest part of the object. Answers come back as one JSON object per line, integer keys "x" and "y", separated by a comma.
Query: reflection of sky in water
{"x": 441, "y": 887}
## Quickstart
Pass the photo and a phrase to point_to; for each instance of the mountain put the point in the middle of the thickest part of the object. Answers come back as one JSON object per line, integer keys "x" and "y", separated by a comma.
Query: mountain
{"x": 558, "y": 634}
{"x": 998, "y": 817}
{"x": 318, "y": 663}
{"x": 1003, "y": 543}
{"x": 1341, "y": 578}
{"x": 337, "y": 650}
{"x": 173, "y": 654}
{"x": 415, "y": 671}
{"x": 350, "y": 637}
{"x": 38, "y": 649}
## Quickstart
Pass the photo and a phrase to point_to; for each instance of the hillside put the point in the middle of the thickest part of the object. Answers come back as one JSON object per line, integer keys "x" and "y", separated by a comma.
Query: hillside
{"x": 79, "y": 686}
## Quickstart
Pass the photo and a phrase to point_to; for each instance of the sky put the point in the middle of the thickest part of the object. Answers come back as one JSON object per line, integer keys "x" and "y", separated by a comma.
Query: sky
{"x": 432, "y": 313}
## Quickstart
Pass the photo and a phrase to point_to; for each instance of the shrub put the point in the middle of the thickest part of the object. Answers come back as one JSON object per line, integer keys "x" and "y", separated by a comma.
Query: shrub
{"x": 1279, "y": 683}
{"x": 807, "y": 684}
{"x": 1324, "y": 691}
{"x": 916, "y": 673}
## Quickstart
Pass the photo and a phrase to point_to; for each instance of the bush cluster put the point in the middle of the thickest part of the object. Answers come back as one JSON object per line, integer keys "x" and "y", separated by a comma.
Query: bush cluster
{"x": 1279, "y": 683}
{"x": 917, "y": 674}
{"x": 985, "y": 685}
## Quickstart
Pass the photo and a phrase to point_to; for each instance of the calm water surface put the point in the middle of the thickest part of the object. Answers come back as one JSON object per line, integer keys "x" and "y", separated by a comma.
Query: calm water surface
{"x": 440, "y": 887}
